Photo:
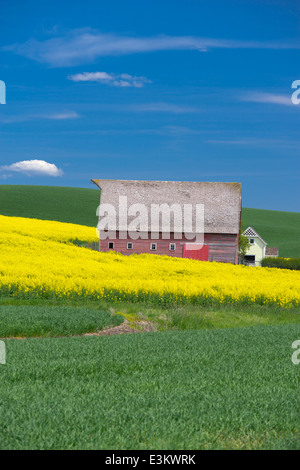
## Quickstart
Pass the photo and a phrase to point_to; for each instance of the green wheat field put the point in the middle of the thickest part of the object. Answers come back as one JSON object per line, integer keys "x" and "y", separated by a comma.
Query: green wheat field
{"x": 201, "y": 378}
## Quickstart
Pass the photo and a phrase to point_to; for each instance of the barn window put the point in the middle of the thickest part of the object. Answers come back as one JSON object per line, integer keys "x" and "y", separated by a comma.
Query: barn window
{"x": 153, "y": 246}
{"x": 110, "y": 245}
{"x": 129, "y": 246}
{"x": 172, "y": 247}
{"x": 251, "y": 241}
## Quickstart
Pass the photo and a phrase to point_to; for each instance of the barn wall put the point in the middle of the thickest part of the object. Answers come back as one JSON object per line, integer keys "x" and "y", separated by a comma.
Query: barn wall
{"x": 222, "y": 247}
{"x": 143, "y": 246}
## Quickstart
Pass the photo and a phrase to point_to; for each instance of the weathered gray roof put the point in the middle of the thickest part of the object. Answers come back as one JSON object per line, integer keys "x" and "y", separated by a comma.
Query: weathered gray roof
{"x": 271, "y": 251}
{"x": 222, "y": 201}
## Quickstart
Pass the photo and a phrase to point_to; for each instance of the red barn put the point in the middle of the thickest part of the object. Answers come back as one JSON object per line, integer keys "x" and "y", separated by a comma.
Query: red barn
{"x": 221, "y": 203}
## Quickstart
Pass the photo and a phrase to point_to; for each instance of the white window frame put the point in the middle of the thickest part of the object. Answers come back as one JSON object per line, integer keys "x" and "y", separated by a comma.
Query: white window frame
{"x": 128, "y": 247}
{"x": 113, "y": 245}
{"x": 251, "y": 241}
{"x": 153, "y": 249}
{"x": 172, "y": 244}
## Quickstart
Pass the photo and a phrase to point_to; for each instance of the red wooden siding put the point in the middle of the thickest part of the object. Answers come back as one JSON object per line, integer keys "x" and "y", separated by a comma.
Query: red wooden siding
{"x": 200, "y": 254}
{"x": 220, "y": 247}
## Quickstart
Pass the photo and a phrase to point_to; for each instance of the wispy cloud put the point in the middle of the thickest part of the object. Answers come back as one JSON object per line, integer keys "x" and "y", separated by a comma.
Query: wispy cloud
{"x": 86, "y": 45}
{"x": 270, "y": 98}
{"x": 60, "y": 116}
{"x": 162, "y": 107}
{"x": 33, "y": 168}
{"x": 112, "y": 79}
{"x": 272, "y": 143}
{"x": 169, "y": 131}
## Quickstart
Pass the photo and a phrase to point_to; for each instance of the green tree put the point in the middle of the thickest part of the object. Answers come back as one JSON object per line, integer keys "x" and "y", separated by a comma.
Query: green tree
{"x": 243, "y": 244}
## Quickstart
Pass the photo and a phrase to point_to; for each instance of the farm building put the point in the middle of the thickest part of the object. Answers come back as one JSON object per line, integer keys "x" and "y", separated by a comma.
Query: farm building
{"x": 221, "y": 221}
{"x": 258, "y": 249}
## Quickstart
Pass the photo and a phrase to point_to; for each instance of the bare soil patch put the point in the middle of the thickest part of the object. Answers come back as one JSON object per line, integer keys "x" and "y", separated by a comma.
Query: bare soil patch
{"x": 138, "y": 326}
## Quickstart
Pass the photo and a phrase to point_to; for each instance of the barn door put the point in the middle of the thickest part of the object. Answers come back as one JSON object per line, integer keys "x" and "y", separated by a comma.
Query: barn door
{"x": 195, "y": 251}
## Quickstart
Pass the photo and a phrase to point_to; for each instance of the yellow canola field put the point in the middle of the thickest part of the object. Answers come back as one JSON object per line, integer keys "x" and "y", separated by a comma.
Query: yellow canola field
{"x": 37, "y": 258}
{"x": 46, "y": 229}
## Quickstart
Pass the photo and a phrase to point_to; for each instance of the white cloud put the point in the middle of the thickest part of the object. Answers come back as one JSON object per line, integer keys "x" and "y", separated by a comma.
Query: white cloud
{"x": 84, "y": 46}
{"x": 62, "y": 115}
{"x": 32, "y": 117}
{"x": 162, "y": 107}
{"x": 34, "y": 168}
{"x": 5, "y": 176}
{"x": 270, "y": 98}
{"x": 121, "y": 80}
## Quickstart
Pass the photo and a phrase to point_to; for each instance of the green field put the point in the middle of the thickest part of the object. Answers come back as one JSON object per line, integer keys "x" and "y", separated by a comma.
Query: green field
{"x": 209, "y": 377}
{"x": 222, "y": 389}
{"x": 78, "y": 205}
{"x": 71, "y": 205}
{"x": 277, "y": 228}
{"x": 46, "y": 321}
{"x": 27, "y": 317}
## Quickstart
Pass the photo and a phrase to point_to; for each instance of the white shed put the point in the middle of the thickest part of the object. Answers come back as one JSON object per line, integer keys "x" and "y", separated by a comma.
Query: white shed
{"x": 257, "y": 250}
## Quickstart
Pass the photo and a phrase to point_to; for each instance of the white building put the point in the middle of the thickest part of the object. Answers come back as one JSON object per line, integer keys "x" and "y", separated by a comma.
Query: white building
{"x": 258, "y": 249}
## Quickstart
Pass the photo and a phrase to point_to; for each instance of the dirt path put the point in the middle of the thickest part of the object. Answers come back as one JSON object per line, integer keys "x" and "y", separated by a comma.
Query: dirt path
{"x": 138, "y": 326}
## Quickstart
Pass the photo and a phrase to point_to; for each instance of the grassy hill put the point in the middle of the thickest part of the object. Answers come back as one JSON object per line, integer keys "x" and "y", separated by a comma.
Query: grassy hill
{"x": 277, "y": 228}
{"x": 72, "y": 205}
{"x": 78, "y": 205}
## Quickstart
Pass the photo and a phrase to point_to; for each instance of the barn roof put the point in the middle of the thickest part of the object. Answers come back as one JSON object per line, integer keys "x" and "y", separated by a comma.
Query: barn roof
{"x": 222, "y": 201}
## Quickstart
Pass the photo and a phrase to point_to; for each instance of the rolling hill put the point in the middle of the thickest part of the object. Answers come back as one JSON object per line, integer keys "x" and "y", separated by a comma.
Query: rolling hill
{"x": 277, "y": 228}
{"x": 72, "y": 205}
{"x": 78, "y": 205}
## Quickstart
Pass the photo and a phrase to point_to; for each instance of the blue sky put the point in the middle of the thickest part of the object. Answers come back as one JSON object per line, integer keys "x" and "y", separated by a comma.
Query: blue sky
{"x": 166, "y": 90}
